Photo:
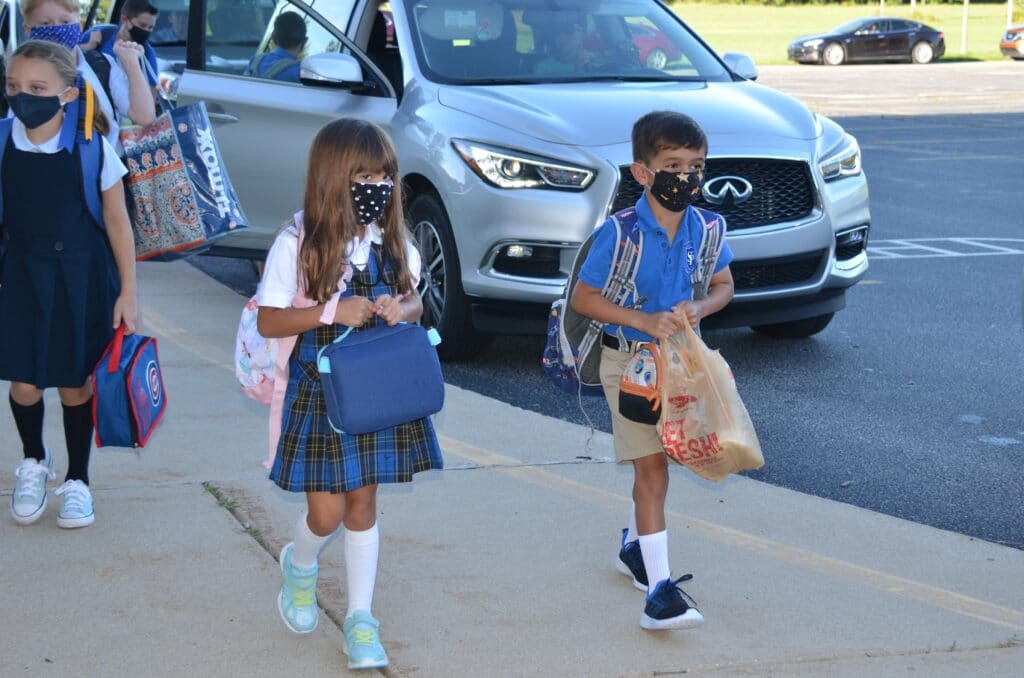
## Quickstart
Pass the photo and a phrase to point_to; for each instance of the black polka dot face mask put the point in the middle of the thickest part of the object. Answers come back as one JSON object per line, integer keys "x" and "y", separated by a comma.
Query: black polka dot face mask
{"x": 370, "y": 199}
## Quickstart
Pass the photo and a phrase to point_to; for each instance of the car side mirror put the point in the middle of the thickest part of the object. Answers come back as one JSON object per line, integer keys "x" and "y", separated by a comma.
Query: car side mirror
{"x": 332, "y": 70}
{"x": 741, "y": 64}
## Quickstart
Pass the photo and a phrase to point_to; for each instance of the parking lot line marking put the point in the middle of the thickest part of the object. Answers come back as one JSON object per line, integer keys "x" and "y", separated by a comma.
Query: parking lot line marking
{"x": 799, "y": 557}
{"x": 977, "y": 243}
{"x": 913, "y": 248}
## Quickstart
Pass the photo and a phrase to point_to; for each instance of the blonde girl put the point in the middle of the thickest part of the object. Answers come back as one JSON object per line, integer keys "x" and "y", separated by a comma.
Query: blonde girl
{"x": 67, "y": 274}
{"x": 353, "y": 230}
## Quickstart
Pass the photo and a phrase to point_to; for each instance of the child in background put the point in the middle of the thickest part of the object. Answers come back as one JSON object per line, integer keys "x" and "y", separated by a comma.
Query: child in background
{"x": 67, "y": 273}
{"x": 353, "y": 220}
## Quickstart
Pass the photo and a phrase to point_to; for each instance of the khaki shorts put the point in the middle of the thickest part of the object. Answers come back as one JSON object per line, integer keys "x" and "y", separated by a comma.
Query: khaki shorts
{"x": 633, "y": 440}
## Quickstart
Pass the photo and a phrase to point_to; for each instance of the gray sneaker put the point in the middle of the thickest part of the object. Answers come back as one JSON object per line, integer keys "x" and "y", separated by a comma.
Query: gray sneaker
{"x": 29, "y": 499}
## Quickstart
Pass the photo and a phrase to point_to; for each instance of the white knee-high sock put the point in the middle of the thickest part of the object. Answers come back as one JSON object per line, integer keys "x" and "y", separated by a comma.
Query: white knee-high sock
{"x": 654, "y": 548}
{"x": 631, "y": 533}
{"x": 361, "y": 549}
{"x": 307, "y": 545}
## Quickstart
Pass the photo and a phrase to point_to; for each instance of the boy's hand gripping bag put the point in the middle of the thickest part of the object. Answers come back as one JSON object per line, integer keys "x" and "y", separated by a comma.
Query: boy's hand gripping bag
{"x": 179, "y": 193}
{"x": 128, "y": 391}
{"x": 381, "y": 377}
{"x": 704, "y": 424}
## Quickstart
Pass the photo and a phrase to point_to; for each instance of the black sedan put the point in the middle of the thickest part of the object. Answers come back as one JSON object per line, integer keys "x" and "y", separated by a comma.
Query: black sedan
{"x": 874, "y": 39}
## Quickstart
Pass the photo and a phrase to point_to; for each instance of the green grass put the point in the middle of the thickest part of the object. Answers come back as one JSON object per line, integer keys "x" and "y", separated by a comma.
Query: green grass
{"x": 764, "y": 32}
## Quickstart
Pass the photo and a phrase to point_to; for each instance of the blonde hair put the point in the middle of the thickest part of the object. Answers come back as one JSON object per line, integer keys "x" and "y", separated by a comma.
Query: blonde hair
{"x": 340, "y": 149}
{"x": 29, "y": 6}
{"x": 64, "y": 63}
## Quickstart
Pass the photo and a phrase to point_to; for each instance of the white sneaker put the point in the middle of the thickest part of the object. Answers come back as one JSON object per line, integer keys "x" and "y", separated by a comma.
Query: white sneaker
{"x": 77, "y": 508}
{"x": 29, "y": 499}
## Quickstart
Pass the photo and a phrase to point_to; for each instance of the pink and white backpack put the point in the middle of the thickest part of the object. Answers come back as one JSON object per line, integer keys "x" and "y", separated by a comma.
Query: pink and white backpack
{"x": 261, "y": 363}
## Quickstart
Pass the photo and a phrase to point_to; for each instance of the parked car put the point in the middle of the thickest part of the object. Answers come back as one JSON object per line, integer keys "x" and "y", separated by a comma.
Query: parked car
{"x": 1012, "y": 44}
{"x": 12, "y": 26}
{"x": 506, "y": 171}
{"x": 872, "y": 39}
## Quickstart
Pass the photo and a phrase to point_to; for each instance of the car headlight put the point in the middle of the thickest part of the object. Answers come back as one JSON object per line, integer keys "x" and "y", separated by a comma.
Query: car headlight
{"x": 842, "y": 162}
{"x": 813, "y": 43}
{"x": 506, "y": 168}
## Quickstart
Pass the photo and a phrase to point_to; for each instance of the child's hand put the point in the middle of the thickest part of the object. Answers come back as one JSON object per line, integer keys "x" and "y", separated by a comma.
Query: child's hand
{"x": 125, "y": 311}
{"x": 693, "y": 311}
{"x": 128, "y": 53}
{"x": 354, "y": 311}
{"x": 661, "y": 325}
{"x": 389, "y": 308}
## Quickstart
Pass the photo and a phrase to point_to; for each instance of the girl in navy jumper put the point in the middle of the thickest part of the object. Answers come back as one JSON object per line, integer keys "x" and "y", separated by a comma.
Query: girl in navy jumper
{"x": 66, "y": 280}
{"x": 353, "y": 230}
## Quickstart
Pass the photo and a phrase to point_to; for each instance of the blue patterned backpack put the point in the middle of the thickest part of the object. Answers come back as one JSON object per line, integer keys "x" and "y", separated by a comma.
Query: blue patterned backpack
{"x": 570, "y": 359}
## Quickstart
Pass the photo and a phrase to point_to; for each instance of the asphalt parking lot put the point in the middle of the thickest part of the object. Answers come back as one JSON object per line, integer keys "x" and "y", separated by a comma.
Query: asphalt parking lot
{"x": 909, "y": 403}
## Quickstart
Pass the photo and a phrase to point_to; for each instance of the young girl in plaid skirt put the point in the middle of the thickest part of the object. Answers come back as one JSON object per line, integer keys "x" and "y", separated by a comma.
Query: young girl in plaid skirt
{"x": 353, "y": 231}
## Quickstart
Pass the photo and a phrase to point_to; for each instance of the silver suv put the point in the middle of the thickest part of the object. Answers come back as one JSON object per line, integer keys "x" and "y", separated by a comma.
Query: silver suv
{"x": 512, "y": 120}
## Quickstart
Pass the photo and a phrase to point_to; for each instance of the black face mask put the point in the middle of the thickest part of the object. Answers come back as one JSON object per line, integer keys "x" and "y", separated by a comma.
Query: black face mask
{"x": 675, "y": 190}
{"x": 139, "y": 35}
{"x": 370, "y": 200}
{"x": 33, "y": 110}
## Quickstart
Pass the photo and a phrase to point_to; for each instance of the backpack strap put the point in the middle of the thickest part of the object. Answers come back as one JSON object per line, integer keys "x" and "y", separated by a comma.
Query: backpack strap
{"x": 713, "y": 228}
{"x": 6, "y": 124}
{"x": 101, "y": 67}
{"x": 90, "y": 155}
{"x": 279, "y": 67}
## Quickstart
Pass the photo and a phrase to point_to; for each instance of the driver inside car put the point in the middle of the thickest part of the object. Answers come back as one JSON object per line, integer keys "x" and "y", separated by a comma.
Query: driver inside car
{"x": 563, "y": 39}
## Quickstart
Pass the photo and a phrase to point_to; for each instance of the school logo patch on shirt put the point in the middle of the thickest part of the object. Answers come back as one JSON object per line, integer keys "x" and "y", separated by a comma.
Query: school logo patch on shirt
{"x": 691, "y": 258}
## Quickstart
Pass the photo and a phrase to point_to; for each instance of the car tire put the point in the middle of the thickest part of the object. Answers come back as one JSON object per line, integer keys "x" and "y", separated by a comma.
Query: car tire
{"x": 795, "y": 329}
{"x": 922, "y": 52}
{"x": 833, "y": 54}
{"x": 656, "y": 59}
{"x": 444, "y": 303}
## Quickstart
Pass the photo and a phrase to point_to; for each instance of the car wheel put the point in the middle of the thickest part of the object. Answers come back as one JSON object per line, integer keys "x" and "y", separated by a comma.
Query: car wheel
{"x": 833, "y": 54}
{"x": 657, "y": 59}
{"x": 795, "y": 329}
{"x": 444, "y": 303}
{"x": 922, "y": 53}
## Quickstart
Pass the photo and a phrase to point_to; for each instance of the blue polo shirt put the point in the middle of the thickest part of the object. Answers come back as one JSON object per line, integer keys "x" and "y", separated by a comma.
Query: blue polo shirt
{"x": 665, "y": 268}
{"x": 289, "y": 74}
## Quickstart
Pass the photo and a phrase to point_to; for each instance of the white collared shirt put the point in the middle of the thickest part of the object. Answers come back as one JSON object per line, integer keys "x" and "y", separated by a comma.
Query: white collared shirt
{"x": 113, "y": 168}
{"x": 280, "y": 274}
{"x": 119, "y": 92}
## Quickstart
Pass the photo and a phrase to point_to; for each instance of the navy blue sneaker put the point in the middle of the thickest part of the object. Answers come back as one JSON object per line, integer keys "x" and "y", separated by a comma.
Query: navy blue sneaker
{"x": 631, "y": 562}
{"x": 667, "y": 607}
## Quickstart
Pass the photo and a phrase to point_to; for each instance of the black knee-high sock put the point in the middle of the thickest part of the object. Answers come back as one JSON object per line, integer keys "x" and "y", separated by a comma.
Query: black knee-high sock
{"x": 78, "y": 435}
{"x": 29, "y": 420}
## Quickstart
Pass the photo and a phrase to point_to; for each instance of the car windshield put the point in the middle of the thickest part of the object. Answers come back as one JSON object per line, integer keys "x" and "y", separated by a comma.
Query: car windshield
{"x": 538, "y": 41}
{"x": 849, "y": 26}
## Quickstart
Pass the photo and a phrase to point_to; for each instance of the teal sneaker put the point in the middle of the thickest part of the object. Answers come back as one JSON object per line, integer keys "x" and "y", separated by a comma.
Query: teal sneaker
{"x": 297, "y": 600}
{"x": 362, "y": 642}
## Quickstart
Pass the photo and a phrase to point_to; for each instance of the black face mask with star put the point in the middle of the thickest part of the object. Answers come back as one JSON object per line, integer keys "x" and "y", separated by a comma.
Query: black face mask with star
{"x": 676, "y": 190}
{"x": 370, "y": 200}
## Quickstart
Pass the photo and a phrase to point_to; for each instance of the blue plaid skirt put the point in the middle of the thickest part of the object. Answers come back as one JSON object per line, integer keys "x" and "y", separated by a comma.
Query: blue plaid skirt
{"x": 313, "y": 457}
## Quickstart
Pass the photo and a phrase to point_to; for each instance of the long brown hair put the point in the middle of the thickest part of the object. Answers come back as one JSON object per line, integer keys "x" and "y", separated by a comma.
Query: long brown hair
{"x": 341, "y": 149}
{"x": 64, "y": 63}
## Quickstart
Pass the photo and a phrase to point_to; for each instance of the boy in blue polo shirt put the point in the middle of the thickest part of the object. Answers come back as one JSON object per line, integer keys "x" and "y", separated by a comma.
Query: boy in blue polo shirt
{"x": 669, "y": 151}
{"x": 138, "y": 19}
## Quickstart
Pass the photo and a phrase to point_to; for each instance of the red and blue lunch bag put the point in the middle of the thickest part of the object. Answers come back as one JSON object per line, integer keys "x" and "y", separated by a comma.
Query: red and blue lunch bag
{"x": 128, "y": 391}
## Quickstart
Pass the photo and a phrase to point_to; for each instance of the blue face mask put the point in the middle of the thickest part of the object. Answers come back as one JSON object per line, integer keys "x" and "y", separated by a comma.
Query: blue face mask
{"x": 68, "y": 35}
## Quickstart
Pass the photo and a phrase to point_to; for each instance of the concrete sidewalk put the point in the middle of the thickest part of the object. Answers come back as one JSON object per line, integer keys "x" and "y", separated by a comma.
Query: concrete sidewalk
{"x": 500, "y": 565}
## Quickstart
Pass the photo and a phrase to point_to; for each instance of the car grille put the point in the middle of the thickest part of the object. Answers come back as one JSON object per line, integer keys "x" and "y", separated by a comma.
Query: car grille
{"x": 783, "y": 191}
{"x": 760, "y": 273}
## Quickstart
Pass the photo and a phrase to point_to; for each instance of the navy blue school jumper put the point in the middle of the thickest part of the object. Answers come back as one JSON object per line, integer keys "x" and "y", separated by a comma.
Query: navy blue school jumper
{"x": 58, "y": 280}
{"x": 311, "y": 456}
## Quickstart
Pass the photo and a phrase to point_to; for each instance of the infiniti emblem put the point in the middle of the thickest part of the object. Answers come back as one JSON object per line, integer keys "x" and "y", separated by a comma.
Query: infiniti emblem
{"x": 727, "y": 191}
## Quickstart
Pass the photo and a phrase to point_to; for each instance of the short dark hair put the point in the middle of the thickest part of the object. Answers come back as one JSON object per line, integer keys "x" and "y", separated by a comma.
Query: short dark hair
{"x": 289, "y": 30}
{"x": 133, "y": 8}
{"x": 660, "y": 130}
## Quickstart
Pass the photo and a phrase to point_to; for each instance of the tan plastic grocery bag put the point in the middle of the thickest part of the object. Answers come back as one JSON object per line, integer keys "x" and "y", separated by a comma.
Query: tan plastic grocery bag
{"x": 704, "y": 424}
